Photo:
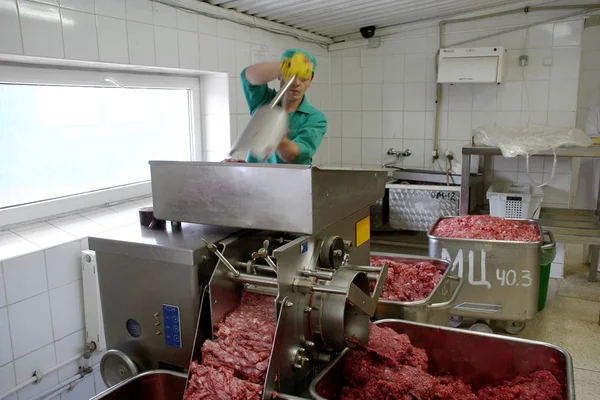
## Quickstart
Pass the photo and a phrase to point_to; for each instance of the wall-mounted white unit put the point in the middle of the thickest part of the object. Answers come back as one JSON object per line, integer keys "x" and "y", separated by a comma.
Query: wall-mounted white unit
{"x": 472, "y": 65}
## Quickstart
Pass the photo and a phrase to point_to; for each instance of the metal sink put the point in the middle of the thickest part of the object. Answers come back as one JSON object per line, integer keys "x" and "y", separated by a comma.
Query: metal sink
{"x": 151, "y": 385}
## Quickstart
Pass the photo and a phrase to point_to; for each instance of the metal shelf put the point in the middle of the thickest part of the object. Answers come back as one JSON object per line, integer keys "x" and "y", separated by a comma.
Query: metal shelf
{"x": 583, "y": 152}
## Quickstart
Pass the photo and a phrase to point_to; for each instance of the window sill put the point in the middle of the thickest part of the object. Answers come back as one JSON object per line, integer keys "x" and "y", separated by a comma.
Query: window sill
{"x": 19, "y": 240}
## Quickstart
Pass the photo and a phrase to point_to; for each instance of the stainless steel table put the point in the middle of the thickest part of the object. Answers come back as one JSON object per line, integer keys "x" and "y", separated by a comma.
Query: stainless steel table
{"x": 568, "y": 225}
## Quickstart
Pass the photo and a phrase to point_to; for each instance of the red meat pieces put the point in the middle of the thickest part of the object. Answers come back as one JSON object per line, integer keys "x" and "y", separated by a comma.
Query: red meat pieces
{"x": 407, "y": 282}
{"x": 235, "y": 364}
{"x": 394, "y": 349}
{"x": 402, "y": 382}
{"x": 389, "y": 367}
{"x": 219, "y": 384}
{"x": 541, "y": 385}
{"x": 453, "y": 388}
{"x": 486, "y": 227}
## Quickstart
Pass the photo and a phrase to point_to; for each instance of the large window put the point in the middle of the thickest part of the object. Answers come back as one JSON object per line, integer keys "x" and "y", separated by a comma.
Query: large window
{"x": 66, "y": 134}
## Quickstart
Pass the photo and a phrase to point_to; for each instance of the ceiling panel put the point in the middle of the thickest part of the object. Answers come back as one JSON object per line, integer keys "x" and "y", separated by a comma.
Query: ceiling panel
{"x": 341, "y": 17}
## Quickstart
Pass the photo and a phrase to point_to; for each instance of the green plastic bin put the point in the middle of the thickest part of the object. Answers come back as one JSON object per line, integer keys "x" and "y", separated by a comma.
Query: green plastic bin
{"x": 546, "y": 263}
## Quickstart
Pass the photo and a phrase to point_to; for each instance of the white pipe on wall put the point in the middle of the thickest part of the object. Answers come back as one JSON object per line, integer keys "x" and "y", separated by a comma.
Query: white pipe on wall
{"x": 36, "y": 378}
{"x": 52, "y": 391}
{"x": 65, "y": 386}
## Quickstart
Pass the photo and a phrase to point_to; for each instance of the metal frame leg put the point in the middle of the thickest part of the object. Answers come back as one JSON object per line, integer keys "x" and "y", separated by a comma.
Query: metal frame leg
{"x": 465, "y": 184}
{"x": 593, "y": 277}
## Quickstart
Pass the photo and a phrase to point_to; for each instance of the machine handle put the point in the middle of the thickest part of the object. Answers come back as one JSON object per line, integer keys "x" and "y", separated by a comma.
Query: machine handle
{"x": 362, "y": 300}
{"x": 552, "y": 244}
{"x": 452, "y": 299}
{"x": 282, "y": 92}
{"x": 319, "y": 274}
{"x": 264, "y": 254}
{"x": 380, "y": 284}
{"x": 214, "y": 249}
{"x": 289, "y": 397}
{"x": 366, "y": 268}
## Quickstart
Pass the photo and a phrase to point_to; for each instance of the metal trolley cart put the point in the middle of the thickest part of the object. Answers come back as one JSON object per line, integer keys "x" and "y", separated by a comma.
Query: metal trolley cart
{"x": 501, "y": 278}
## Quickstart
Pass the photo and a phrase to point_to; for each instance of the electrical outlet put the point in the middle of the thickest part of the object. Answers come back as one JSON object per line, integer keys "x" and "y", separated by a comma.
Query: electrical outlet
{"x": 547, "y": 61}
{"x": 524, "y": 60}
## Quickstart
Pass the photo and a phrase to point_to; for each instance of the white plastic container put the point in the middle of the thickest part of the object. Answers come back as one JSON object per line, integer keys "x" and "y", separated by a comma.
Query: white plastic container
{"x": 515, "y": 200}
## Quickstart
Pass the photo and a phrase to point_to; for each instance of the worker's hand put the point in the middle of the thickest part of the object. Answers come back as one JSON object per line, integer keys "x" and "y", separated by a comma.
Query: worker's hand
{"x": 298, "y": 65}
{"x": 288, "y": 150}
{"x": 231, "y": 160}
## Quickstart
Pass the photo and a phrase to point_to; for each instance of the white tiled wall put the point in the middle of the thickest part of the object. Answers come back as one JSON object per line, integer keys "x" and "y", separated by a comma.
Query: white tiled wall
{"x": 41, "y": 299}
{"x": 42, "y": 309}
{"x": 386, "y": 97}
{"x": 589, "y": 84}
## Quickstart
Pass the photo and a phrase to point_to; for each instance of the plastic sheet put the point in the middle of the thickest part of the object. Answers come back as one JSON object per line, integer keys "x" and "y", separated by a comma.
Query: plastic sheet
{"x": 529, "y": 140}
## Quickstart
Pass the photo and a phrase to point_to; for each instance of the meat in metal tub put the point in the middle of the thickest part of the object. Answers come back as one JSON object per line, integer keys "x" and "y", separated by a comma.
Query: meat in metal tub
{"x": 479, "y": 359}
{"x": 501, "y": 277}
{"x": 435, "y": 308}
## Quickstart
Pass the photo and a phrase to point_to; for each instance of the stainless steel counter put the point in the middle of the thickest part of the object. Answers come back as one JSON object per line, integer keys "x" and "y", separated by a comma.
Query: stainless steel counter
{"x": 183, "y": 246}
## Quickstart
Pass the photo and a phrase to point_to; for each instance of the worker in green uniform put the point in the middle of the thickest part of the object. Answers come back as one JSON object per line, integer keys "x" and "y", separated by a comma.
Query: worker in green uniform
{"x": 307, "y": 125}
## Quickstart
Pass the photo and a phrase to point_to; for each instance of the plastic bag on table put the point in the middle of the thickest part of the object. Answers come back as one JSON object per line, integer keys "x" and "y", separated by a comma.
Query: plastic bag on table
{"x": 528, "y": 140}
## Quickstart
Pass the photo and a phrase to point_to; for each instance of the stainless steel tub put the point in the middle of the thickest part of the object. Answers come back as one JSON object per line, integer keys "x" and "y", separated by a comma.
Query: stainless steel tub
{"x": 435, "y": 309}
{"x": 501, "y": 277}
{"x": 479, "y": 359}
{"x": 151, "y": 385}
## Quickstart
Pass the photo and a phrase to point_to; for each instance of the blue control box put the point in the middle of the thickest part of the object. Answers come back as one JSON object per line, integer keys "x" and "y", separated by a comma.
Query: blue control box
{"x": 172, "y": 325}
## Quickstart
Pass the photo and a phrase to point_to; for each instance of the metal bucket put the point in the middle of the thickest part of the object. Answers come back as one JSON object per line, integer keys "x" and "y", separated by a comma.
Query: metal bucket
{"x": 435, "y": 309}
{"x": 468, "y": 355}
{"x": 151, "y": 385}
{"x": 501, "y": 277}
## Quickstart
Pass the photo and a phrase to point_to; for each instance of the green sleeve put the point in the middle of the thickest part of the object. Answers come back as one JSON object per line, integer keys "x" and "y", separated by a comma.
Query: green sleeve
{"x": 309, "y": 138}
{"x": 256, "y": 95}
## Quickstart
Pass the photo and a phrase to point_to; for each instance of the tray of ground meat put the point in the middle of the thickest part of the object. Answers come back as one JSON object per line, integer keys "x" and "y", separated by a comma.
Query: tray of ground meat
{"x": 486, "y": 227}
{"x": 234, "y": 364}
{"x": 407, "y": 360}
{"x": 417, "y": 289}
{"x": 499, "y": 260}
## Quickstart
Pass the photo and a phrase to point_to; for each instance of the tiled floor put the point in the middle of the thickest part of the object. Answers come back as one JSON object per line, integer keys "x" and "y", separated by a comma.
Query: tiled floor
{"x": 570, "y": 320}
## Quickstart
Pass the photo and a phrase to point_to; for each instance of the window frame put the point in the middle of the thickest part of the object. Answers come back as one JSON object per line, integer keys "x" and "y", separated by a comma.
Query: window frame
{"x": 132, "y": 77}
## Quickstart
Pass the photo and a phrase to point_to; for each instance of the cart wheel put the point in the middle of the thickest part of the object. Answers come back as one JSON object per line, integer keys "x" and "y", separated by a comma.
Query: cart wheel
{"x": 514, "y": 327}
{"x": 481, "y": 327}
{"x": 455, "y": 321}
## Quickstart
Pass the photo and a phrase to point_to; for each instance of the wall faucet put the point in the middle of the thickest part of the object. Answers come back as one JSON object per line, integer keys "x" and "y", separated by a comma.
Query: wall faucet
{"x": 398, "y": 154}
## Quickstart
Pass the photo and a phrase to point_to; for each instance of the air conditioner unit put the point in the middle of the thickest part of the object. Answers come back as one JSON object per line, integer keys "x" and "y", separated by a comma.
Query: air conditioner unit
{"x": 472, "y": 65}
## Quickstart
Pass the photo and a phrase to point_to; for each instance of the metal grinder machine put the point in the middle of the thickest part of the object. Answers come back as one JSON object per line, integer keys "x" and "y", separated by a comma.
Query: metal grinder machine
{"x": 298, "y": 233}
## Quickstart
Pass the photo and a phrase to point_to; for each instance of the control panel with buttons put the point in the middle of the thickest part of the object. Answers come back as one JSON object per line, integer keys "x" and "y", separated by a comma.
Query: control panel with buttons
{"x": 172, "y": 326}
